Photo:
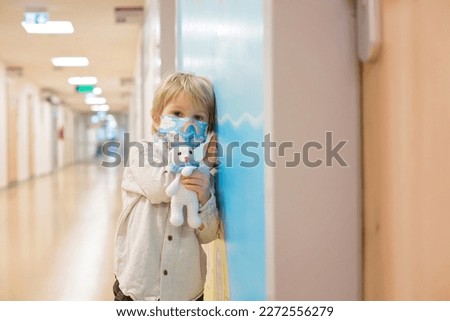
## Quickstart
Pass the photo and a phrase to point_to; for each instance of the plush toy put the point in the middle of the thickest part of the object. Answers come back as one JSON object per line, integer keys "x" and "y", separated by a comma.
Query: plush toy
{"x": 181, "y": 162}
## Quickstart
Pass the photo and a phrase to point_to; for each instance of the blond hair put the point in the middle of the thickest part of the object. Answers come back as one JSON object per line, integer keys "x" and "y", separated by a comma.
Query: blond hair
{"x": 199, "y": 89}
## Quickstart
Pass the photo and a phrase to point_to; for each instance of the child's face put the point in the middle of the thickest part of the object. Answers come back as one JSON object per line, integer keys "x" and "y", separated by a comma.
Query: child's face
{"x": 182, "y": 106}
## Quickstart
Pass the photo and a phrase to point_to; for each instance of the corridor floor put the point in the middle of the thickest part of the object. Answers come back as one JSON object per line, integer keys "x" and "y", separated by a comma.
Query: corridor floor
{"x": 57, "y": 235}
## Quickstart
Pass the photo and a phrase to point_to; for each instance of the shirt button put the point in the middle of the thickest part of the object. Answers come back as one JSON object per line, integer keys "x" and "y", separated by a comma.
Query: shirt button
{"x": 165, "y": 272}
{"x": 170, "y": 238}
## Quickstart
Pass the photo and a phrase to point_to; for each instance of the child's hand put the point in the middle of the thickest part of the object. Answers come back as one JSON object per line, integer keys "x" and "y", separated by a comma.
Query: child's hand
{"x": 198, "y": 182}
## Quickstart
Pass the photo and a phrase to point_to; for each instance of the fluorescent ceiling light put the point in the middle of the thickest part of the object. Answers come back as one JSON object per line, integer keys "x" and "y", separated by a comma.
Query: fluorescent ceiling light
{"x": 70, "y": 61}
{"x": 95, "y": 100}
{"x": 99, "y": 108}
{"x": 97, "y": 91}
{"x": 50, "y": 27}
{"x": 82, "y": 80}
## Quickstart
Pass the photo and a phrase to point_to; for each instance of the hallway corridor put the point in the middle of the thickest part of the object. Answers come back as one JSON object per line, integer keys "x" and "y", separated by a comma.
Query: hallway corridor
{"x": 57, "y": 234}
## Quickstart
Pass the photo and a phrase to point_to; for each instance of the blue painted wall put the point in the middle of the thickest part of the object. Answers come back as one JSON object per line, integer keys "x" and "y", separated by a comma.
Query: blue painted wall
{"x": 223, "y": 40}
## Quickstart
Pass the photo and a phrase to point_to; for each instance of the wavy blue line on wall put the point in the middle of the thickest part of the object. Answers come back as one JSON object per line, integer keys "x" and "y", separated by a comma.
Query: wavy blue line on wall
{"x": 223, "y": 40}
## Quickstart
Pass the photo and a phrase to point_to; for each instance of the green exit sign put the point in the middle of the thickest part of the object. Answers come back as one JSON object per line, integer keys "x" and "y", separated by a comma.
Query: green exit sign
{"x": 85, "y": 89}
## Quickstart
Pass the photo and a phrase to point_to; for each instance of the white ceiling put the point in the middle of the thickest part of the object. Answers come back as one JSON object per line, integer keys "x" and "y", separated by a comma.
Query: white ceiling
{"x": 110, "y": 47}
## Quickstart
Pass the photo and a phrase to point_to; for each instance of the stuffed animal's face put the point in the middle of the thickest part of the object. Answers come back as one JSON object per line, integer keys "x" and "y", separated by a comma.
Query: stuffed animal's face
{"x": 183, "y": 154}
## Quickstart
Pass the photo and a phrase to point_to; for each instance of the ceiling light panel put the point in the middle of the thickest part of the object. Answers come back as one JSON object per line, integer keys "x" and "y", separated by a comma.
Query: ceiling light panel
{"x": 99, "y": 108}
{"x": 82, "y": 80}
{"x": 97, "y": 91}
{"x": 95, "y": 100}
{"x": 70, "y": 61}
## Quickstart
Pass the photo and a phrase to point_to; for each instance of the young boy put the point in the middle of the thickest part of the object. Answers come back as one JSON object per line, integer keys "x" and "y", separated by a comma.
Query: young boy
{"x": 153, "y": 259}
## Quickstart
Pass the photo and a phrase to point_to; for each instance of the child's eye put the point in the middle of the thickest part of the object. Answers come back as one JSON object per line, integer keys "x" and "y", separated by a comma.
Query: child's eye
{"x": 199, "y": 117}
{"x": 177, "y": 114}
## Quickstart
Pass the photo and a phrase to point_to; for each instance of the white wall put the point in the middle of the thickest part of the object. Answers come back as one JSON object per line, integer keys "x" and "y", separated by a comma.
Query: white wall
{"x": 156, "y": 58}
{"x": 151, "y": 62}
{"x": 81, "y": 148}
{"x": 60, "y": 143}
{"x": 135, "y": 110}
{"x": 28, "y": 96}
{"x": 3, "y": 129}
{"x": 22, "y": 130}
{"x": 136, "y": 121}
{"x": 38, "y": 144}
{"x": 45, "y": 136}
{"x": 69, "y": 136}
{"x": 29, "y": 101}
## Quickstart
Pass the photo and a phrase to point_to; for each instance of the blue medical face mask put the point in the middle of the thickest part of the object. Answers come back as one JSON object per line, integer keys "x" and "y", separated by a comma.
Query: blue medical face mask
{"x": 186, "y": 131}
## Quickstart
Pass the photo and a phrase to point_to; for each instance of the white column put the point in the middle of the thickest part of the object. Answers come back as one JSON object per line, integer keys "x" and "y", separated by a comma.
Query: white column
{"x": 151, "y": 62}
{"x": 3, "y": 129}
{"x": 45, "y": 155}
{"x": 23, "y": 148}
{"x": 60, "y": 142}
{"x": 313, "y": 215}
{"x": 37, "y": 144}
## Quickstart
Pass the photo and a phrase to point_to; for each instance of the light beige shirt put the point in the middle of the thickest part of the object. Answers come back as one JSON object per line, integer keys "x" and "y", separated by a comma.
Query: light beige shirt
{"x": 154, "y": 260}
